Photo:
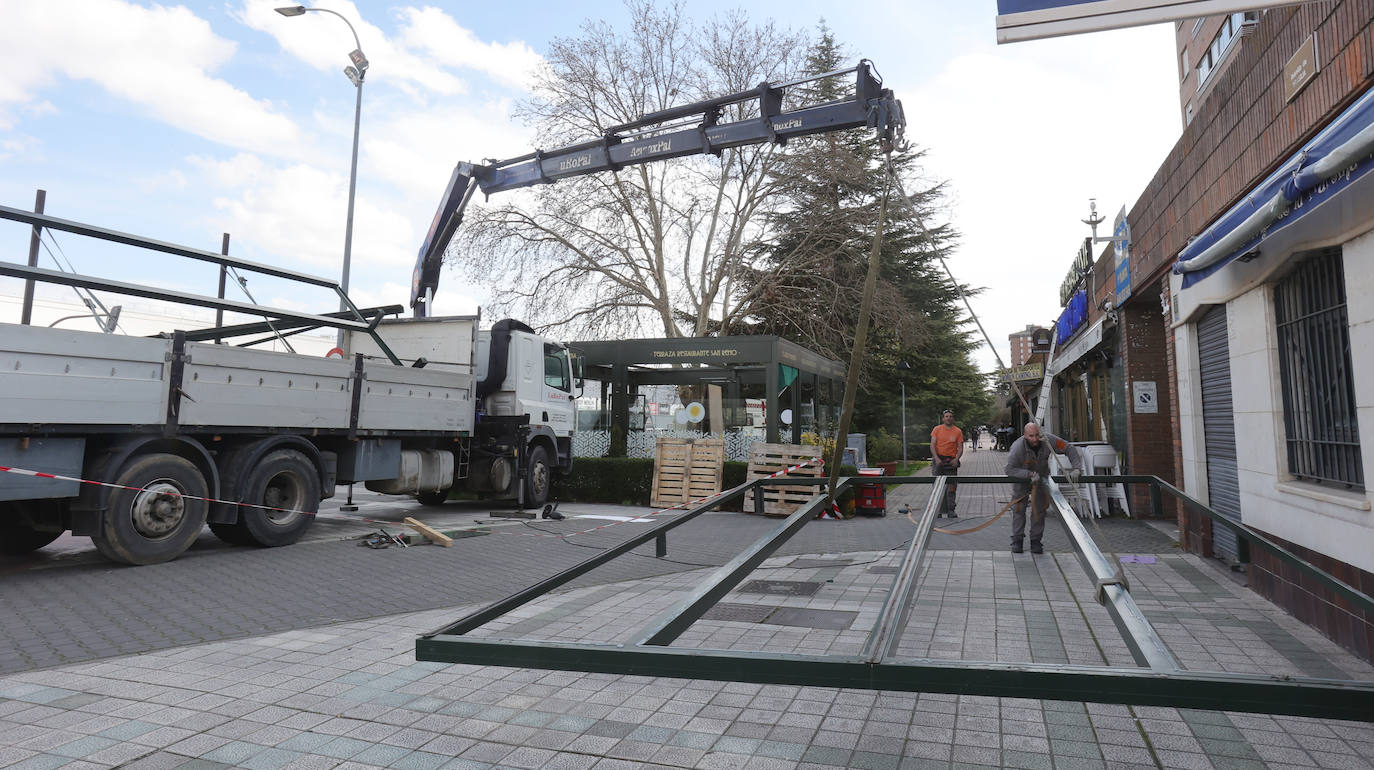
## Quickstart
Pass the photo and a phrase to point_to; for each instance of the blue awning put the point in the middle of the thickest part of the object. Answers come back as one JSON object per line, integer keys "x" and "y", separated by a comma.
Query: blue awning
{"x": 1333, "y": 160}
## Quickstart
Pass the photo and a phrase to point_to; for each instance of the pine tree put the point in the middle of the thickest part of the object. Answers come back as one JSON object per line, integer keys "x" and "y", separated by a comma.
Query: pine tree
{"x": 815, "y": 255}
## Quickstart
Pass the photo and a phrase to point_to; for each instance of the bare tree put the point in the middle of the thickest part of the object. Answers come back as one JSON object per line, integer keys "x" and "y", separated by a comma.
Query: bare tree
{"x": 656, "y": 247}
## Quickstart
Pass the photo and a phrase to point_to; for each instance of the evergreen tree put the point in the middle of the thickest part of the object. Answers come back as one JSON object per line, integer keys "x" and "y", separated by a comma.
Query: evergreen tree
{"x": 809, "y": 282}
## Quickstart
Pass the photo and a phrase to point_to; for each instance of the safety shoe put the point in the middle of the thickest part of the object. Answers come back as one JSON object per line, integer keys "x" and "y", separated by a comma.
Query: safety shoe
{"x": 1016, "y": 548}
{"x": 1037, "y": 548}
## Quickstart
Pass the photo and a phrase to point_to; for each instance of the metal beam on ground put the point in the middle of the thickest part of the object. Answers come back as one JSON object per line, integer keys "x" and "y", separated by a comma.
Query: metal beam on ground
{"x": 1163, "y": 683}
{"x": 670, "y": 624}
{"x": 887, "y": 629}
{"x": 1322, "y": 698}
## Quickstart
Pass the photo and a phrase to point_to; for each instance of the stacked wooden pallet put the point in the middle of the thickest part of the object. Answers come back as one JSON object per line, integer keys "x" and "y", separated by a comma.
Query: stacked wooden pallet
{"x": 767, "y": 459}
{"x": 686, "y": 469}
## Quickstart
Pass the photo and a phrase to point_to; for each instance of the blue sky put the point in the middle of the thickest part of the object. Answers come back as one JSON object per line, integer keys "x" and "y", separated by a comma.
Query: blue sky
{"x": 183, "y": 121}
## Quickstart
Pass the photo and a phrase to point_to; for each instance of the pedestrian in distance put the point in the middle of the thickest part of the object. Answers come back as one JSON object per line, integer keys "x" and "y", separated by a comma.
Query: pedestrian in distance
{"x": 1028, "y": 463}
{"x": 973, "y": 437}
{"x": 946, "y": 449}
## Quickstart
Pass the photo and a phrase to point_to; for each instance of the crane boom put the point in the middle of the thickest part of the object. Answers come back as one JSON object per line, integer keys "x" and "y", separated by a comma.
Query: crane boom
{"x": 657, "y": 136}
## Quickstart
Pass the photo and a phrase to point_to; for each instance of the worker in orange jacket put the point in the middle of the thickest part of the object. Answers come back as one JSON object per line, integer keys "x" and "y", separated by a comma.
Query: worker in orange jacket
{"x": 946, "y": 449}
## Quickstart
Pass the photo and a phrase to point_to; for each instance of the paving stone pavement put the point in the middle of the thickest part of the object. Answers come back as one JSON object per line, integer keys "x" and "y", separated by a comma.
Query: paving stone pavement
{"x": 352, "y": 695}
{"x": 304, "y": 657}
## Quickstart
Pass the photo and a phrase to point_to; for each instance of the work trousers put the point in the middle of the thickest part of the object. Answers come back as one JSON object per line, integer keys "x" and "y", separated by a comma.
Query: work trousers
{"x": 1018, "y": 513}
{"x": 945, "y": 467}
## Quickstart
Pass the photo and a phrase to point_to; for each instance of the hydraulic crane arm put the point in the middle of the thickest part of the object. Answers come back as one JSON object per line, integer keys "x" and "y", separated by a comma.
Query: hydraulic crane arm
{"x": 659, "y": 136}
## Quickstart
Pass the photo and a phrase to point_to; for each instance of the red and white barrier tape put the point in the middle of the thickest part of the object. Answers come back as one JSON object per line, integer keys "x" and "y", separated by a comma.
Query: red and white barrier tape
{"x": 41, "y": 475}
{"x": 835, "y": 513}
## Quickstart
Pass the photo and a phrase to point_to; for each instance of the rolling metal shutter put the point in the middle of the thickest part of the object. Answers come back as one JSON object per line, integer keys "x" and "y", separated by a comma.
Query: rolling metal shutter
{"x": 1219, "y": 426}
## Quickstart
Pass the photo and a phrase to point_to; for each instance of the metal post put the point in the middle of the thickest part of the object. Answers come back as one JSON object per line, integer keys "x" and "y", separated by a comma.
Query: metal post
{"x": 903, "y": 426}
{"x": 223, "y": 273}
{"x": 661, "y": 545}
{"x": 26, "y": 314}
{"x": 352, "y": 187}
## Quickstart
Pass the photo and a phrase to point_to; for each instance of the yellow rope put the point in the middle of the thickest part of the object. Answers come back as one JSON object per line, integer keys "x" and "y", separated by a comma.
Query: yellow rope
{"x": 984, "y": 525}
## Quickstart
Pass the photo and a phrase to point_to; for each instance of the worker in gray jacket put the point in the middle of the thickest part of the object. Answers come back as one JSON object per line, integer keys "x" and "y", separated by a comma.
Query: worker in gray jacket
{"x": 1028, "y": 462}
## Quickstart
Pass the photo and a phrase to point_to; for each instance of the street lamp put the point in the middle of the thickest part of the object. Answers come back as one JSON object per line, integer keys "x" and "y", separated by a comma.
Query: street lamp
{"x": 355, "y": 72}
{"x": 902, "y": 368}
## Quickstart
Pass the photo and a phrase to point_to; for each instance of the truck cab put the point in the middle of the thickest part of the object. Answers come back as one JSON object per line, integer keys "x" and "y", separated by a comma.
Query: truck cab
{"x": 538, "y": 382}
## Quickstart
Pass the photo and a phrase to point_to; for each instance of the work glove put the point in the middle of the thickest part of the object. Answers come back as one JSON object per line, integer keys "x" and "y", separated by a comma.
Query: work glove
{"x": 1073, "y": 474}
{"x": 1035, "y": 478}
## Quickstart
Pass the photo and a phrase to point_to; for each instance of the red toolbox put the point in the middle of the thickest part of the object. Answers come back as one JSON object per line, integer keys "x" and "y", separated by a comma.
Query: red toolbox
{"x": 870, "y": 497}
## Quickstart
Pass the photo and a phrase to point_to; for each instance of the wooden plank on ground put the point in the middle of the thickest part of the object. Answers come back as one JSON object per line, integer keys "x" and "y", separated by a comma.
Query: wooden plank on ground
{"x": 433, "y": 535}
{"x": 767, "y": 459}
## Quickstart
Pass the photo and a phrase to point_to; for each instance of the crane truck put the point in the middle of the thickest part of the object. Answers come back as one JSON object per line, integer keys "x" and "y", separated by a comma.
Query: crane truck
{"x": 140, "y": 442}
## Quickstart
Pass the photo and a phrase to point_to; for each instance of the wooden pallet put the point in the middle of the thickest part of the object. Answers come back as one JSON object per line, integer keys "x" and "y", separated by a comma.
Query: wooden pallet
{"x": 767, "y": 459}
{"x": 686, "y": 469}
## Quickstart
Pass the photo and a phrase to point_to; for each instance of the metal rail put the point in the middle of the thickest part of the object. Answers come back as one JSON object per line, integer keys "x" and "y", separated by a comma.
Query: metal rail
{"x": 1161, "y": 680}
{"x": 351, "y": 319}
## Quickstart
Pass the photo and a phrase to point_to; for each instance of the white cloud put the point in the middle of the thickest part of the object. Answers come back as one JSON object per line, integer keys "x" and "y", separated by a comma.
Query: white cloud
{"x": 14, "y": 145}
{"x": 159, "y": 58}
{"x": 416, "y": 152}
{"x": 444, "y": 40}
{"x": 298, "y": 213}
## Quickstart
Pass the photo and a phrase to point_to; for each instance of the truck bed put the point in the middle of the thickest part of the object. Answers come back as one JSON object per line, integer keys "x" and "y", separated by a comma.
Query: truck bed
{"x": 56, "y": 377}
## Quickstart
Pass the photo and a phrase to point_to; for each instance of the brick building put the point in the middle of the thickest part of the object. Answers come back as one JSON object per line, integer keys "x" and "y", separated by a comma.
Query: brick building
{"x": 1022, "y": 344}
{"x": 1251, "y": 302}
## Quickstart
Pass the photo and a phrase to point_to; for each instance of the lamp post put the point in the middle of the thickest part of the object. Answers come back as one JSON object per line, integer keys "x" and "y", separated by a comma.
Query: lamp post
{"x": 902, "y": 368}
{"x": 355, "y": 72}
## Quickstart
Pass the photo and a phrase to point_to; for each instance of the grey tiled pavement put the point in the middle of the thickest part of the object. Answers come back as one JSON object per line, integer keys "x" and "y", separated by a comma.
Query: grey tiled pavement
{"x": 221, "y": 686}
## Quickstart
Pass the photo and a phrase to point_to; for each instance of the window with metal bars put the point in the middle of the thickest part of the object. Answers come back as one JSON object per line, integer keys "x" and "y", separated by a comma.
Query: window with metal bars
{"x": 1323, "y": 435}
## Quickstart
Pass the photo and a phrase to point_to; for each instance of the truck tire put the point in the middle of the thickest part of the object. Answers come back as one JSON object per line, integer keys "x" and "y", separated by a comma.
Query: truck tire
{"x": 282, "y": 479}
{"x": 538, "y": 478}
{"x": 18, "y": 534}
{"x": 158, "y": 516}
{"x": 433, "y": 498}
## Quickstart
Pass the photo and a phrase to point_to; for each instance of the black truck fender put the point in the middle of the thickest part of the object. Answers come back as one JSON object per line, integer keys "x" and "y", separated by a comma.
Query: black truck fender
{"x": 104, "y": 463}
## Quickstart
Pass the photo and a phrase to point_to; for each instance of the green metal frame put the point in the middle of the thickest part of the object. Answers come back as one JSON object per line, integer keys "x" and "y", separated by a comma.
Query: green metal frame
{"x": 1160, "y": 680}
{"x": 351, "y": 318}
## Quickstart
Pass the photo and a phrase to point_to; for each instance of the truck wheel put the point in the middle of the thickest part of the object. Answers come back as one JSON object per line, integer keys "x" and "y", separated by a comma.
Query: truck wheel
{"x": 18, "y": 534}
{"x": 538, "y": 478}
{"x": 286, "y": 480}
{"x": 433, "y": 498}
{"x": 153, "y": 521}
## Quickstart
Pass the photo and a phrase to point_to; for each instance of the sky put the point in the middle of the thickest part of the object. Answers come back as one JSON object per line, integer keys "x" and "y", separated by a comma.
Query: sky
{"x": 181, "y": 122}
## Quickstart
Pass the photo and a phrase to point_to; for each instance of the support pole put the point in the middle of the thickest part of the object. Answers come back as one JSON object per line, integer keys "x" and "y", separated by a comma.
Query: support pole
{"x": 856, "y": 356}
{"x": 223, "y": 273}
{"x": 26, "y": 313}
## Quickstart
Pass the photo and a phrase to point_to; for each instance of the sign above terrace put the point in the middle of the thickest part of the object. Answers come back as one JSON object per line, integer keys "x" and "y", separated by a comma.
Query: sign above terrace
{"x": 1019, "y": 20}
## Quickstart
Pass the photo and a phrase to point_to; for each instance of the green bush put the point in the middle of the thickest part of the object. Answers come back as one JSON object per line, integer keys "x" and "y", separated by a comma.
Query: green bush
{"x": 884, "y": 447}
{"x": 613, "y": 480}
